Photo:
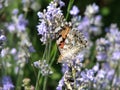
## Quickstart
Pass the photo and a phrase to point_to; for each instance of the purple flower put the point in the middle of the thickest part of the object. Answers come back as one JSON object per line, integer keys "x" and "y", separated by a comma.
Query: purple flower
{"x": 15, "y": 11}
{"x": 80, "y": 57}
{"x": 91, "y": 10}
{"x": 74, "y": 10}
{"x": 21, "y": 24}
{"x": 42, "y": 29}
{"x": 11, "y": 27}
{"x": 64, "y": 67}
{"x": 61, "y": 3}
{"x": 116, "y": 55}
{"x": 7, "y": 83}
{"x": 4, "y": 52}
{"x": 1, "y": 6}
{"x": 13, "y": 51}
{"x": 110, "y": 74}
{"x": 83, "y": 26}
{"x": 43, "y": 66}
{"x": 31, "y": 49}
{"x": 50, "y": 21}
{"x": 90, "y": 74}
{"x": 96, "y": 67}
{"x": 87, "y": 75}
{"x": 106, "y": 66}
{"x": 61, "y": 84}
{"x": 116, "y": 82}
{"x": 113, "y": 34}
{"x": 97, "y": 20}
{"x": 8, "y": 86}
{"x": 2, "y": 38}
{"x": 101, "y": 74}
{"x": 40, "y": 15}
{"x": 101, "y": 56}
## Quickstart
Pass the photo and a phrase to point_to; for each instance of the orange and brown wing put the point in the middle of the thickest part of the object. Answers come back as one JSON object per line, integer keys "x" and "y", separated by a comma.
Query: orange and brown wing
{"x": 62, "y": 36}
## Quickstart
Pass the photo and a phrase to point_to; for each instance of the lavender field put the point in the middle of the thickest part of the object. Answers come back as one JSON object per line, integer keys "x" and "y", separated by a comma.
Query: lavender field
{"x": 59, "y": 45}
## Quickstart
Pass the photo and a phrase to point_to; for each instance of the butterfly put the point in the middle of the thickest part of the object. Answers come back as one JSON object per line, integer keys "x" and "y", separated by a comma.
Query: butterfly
{"x": 70, "y": 42}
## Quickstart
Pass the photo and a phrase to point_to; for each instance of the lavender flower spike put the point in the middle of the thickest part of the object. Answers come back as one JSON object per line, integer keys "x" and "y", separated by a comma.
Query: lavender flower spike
{"x": 50, "y": 21}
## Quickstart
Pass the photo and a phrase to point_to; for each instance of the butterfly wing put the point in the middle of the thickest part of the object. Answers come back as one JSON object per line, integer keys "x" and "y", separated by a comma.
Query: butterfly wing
{"x": 70, "y": 43}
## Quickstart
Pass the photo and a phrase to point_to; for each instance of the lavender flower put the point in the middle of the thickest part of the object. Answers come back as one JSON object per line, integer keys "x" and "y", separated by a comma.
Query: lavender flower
{"x": 74, "y": 77}
{"x": 43, "y": 66}
{"x": 91, "y": 10}
{"x": 11, "y": 27}
{"x": 61, "y": 84}
{"x": 113, "y": 34}
{"x": 108, "y": 49}
{"x": 75, "y": 74}
{"x": 74, "y": 10}
{"x": 7, "y": 83}
{"x": 2, "y": 40}
{"x": 15, "y": 11}
{"x": 50, "y": 21}
{"x": 96, "y": 67}
{"x": 4, "y": 52}
{"x": 104, "y": 77}
{"x": 19, "y": 22}
{"x": 89, "y": 24}
{"x": 101, "y": 56}
{"x": 13, "y": 51}
{"x": 31, "y": 49}
{"x": 61, "y": 3}
{"x": 116, "y": 82}
{"x": 21, "y": 52}
{"x": 103, "y": 73}
{"x": 116, "y": 55}
{"x": 64, "y": 67}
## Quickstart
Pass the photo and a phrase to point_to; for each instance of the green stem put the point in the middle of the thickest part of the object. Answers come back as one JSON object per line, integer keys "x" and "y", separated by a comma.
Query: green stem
{"x": 69, "y": 7}
{"x": 37, "y": 82}
{"x": 30, "y": 59}
{"x": 92, "y": 55}
{"x": 45, "y": 83}
{"x": 19, "y": 79}
{"x": 53, "y": 58}
{"x": 46, "y": 46}
{"x": 40, "y": 78}
{"x": 48, "y": 58}
{"x": 49, "y": 50}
